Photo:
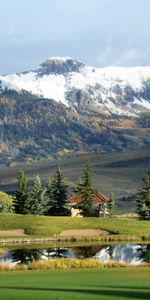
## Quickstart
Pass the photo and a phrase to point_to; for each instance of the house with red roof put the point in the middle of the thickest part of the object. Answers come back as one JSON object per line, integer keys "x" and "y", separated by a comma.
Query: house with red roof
{"x": 99, "y": 202}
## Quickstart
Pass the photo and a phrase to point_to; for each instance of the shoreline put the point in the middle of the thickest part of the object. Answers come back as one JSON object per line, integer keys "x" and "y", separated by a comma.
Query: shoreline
{"x": 30, "y": 240}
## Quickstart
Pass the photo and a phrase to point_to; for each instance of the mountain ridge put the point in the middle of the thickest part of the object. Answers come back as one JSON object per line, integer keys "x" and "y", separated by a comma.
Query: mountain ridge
{"x": 113, "y": 90}
{"x": 75, "y": 113}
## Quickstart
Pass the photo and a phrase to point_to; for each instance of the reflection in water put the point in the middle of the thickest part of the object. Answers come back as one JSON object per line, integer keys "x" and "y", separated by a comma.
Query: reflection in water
{"x": 123, "y": 253}
{"x": 132, "y": 254}
{"x": 24, "y": 256}
{"x": 110, "y": 251}
{"x": 56, "y": 252}
{"x": 144, "y": 253}
{"x": 86, "y": 251}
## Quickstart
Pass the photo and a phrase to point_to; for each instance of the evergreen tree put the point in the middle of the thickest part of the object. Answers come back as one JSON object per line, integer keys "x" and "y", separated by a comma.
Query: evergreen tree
{"x": 37, "y": 201}
{"x": 143, "y": 201}
{"x": 110, "y": 205}
{"x": 56, "y": 193}
{"x": 22, "y": 194}
{"x": 86, "y": 192}
{"x": 50, "y": 199}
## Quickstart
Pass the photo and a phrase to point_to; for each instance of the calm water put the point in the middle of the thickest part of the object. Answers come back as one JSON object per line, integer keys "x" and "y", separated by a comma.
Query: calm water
{"x": 130, "y": 253}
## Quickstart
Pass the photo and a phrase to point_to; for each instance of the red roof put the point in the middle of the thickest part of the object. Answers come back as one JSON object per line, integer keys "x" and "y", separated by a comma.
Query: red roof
{"x": 97, "y": 198}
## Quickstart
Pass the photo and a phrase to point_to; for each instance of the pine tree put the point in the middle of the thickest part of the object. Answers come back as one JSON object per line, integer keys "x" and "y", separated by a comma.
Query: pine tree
{"x": 143, "y": 201}
{"x": 110, "y": 205}
{"x": 22, "y": 194}
{"x": 56, "y": 193}
{"x": 51, "y": 199}
{"x": 86, "y": 192}
{"x": 37, "y": 201}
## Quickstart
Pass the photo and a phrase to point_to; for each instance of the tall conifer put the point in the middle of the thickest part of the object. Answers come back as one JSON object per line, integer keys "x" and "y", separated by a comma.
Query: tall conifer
{"x": 37, "y": 200}
{"x": 110, "y": 205}
{"x": 143, "y": 201}
{"x": 22, "y": 194}
{"x": 86, "y": 192}
{"x": 57, "y": 193}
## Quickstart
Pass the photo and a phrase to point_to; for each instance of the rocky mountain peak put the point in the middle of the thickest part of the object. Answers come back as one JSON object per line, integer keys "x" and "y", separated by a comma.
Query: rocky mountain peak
{"x": 111, "y": 90}
{"x": 59, "y": 65}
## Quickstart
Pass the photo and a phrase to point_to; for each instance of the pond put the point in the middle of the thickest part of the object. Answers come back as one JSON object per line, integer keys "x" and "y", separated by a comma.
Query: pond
{"x": 133, "y": 254}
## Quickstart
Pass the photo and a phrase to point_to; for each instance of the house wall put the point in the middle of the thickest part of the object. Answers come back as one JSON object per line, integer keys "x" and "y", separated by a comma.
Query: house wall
{"x": 75, "y": 212}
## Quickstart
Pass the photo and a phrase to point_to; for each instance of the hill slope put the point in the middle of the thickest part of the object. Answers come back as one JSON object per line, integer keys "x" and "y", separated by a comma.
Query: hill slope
{"x": 63, "y": 106}
{"x": 33, "y": 128}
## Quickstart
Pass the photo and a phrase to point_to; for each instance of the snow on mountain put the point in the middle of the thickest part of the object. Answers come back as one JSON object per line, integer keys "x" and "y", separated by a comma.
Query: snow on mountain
{"x": 123, "y": 91}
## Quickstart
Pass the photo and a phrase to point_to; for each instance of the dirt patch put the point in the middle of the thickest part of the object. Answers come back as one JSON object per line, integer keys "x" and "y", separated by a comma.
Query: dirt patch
{"x": 16, "y": 232}
{"x": 84, "y": 232}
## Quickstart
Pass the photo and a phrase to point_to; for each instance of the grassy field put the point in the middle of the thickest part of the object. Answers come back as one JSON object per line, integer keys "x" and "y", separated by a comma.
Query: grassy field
{"x": 49, "y": 226}
{"x": 118, "y": 284}
{"x": 117, "y": 173}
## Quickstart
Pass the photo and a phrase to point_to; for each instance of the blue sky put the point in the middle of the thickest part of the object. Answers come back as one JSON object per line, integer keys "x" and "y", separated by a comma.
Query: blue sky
{"x": 98, "y": 32}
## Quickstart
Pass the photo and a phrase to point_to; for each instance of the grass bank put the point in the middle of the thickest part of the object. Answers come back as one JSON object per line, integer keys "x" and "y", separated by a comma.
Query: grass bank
{"x": 50, "y": 226}
{"x": 118, "y": 284}
{"x": 46, "y": 230}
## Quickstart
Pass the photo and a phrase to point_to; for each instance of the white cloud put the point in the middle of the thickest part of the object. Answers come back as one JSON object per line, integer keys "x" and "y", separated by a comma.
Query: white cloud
{"x": 127, "y": 57}
{"x": 106, "y": 56}
{"x": 118, "y": 56}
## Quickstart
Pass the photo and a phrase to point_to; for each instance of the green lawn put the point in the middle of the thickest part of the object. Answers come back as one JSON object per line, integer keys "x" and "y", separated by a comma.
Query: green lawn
{"x": 118, "y": 284}
{"x": 46, "y": 226}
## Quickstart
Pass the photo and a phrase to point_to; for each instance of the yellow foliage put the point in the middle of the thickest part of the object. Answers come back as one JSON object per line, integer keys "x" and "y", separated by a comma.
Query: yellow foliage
{"x": 5, "y": 267}
{"x": 3, "y": 251}
{"x": 66, "y": 263}
{"x": 6, "y": 202}
{"x": 20, "y": 267}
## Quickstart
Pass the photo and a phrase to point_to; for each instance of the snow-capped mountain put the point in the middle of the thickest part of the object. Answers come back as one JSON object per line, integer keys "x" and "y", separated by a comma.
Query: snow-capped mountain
{"x": 111, "y": 90}
{"x": 63, "y": 106}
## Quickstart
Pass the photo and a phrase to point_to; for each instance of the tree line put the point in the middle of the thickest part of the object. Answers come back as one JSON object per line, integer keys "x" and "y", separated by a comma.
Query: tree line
{"x": 52, "y": 200}
{"x": 36, "y": 200}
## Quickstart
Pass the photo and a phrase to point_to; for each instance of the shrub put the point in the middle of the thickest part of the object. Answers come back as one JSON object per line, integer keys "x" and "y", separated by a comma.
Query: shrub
{"x": 20, "y": 267}
{"x": 5, "y": 266}
{"x": 115, "y": 264}
{"x": 3, "y": 251}
{"x": 6, "y": 202}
